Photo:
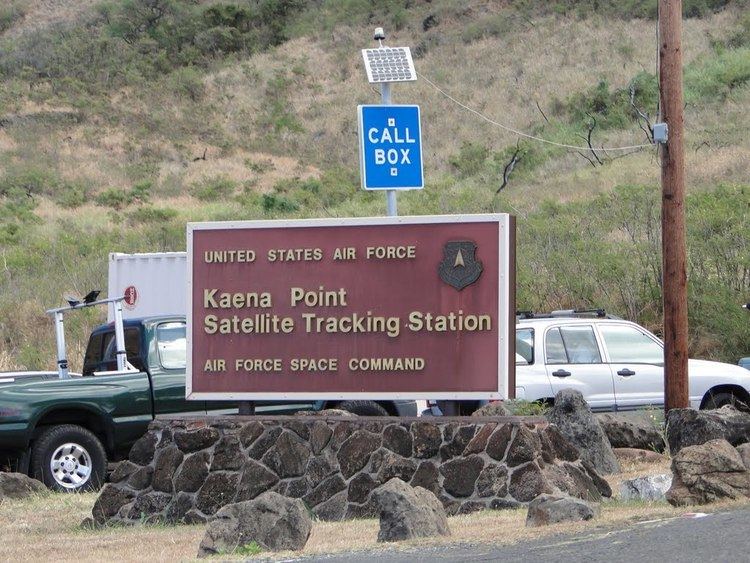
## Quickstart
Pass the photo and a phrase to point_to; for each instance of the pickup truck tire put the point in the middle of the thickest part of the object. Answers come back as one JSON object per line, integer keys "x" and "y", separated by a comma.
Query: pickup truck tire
{"x": 69, "y": 458}
{"x": 363, "y": 408}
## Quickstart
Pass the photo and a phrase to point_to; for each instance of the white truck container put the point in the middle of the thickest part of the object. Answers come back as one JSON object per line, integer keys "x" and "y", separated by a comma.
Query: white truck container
{"x": 152, "y": 283}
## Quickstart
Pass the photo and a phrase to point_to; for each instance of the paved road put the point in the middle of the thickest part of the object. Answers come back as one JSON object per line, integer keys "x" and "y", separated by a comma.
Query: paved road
{"x": 716, "y": 538}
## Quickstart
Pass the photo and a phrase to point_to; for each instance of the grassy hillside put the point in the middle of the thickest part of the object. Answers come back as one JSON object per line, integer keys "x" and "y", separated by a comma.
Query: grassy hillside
{"x": 121, "y": 121}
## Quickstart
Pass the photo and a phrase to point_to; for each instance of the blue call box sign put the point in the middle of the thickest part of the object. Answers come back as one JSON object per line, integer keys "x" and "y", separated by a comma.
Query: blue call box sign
{"x": 390, "y": 147}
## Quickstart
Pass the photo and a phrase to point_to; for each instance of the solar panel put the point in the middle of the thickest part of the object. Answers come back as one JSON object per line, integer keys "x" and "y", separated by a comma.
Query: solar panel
{"x": 389, "y": 64}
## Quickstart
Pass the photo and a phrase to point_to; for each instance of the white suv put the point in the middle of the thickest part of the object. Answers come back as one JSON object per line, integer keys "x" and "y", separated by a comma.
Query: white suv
{"x": 616, "y": 364}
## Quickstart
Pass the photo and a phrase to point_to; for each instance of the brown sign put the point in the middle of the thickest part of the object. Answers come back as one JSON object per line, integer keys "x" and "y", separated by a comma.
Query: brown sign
{"x": 410, "y": 307}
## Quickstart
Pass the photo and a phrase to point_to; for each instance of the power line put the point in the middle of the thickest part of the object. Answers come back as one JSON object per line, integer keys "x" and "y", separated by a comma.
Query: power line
{"x": 521, "y": 133}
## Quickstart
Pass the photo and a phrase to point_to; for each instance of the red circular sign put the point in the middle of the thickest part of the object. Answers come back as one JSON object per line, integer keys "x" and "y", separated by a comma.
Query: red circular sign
{"x": 131, "y": 296}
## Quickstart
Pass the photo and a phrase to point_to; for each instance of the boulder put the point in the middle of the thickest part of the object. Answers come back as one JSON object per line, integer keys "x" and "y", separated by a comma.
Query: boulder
{"x": 408, "y": 512}
{"x": 688, "y": 427}
{"x": 708, "y": 472}
{"x": 631, "y": 431}
{"x": 578, "y": 425}
{"x": 633, "y": 455}
{"x": 274, "y": 522}
{"x": 552, "y": 509}
{"x": 649, "y": 488}
{"x": 496, "y": 408}
{"x": 744, "y": 451}
{"x": 18, "y": 486}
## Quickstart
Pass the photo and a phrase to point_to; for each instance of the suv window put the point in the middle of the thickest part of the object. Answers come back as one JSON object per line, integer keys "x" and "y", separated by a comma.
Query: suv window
{"x": 626, "y": 344}
{"x": 525, "y": 345}
{"x": 572, "y": 345}
{"x": 172, "y": 346}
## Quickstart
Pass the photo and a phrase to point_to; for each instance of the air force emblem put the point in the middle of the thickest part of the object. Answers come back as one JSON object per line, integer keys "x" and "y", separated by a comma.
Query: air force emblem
{"x": 460, "y": 267}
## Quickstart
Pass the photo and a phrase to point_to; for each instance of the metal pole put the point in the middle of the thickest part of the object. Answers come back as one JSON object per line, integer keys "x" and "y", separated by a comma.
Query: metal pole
{"x": 119, "y": 337}
{"x": 62, "y": 361}
{"x": 390, "y": 195}
{"x": 674, "y": 260}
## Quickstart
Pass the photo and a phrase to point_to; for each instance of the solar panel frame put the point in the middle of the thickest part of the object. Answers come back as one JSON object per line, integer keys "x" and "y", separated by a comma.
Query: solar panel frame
{"x": 389, "y": 64}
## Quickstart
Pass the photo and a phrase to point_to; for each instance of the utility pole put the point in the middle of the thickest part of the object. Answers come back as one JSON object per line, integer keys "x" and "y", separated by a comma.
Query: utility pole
{"x": 674, "y": 260}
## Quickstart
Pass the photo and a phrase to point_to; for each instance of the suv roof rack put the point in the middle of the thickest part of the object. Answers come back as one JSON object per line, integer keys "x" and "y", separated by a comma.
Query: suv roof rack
{"x": 567, "y": 313}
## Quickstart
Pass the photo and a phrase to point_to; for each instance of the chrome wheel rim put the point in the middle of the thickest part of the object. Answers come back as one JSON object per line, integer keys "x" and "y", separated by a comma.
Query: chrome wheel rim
{"x": 71, "y": 466}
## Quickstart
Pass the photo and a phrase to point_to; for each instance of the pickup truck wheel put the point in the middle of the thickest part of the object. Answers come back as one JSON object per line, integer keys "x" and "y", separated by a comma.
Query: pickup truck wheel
{"x": 69, "y": 458}
{"x": 363, "y": 408}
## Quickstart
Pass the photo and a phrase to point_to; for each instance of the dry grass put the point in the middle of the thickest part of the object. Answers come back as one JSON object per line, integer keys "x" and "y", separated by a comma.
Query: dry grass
{"x": 8, "y": 362}
{"x": 46, "y": 527}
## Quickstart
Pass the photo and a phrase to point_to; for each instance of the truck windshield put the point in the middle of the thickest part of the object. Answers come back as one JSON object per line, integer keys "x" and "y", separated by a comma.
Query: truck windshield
{"x": 170, "y": 339}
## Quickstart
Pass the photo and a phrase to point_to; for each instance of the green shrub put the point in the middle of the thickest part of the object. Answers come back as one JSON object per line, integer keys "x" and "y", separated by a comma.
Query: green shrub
{"x": 496, "y": 25}
{"x": 10, "y": 13}
{"x": 470, "y": 159}
{"x": 277, "y": 203}
{"x": 29, "y": 182}
{"x": 716, "y": 77}
{"x": 740, "y": 37}
{"x": 148, "y": 214}
{"x": 140, "y": 192}
{"x": 521, "y": 407}
{"x": 187, "y": 82}
{"x": 214, "y": 189}
{"x": 113, "y": 197}
{"x": 72, "y": 195}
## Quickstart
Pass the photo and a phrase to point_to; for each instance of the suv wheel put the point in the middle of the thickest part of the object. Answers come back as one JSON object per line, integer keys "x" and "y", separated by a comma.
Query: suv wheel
{"x": 723, "y": 398}
{"x": 69, "y": 458}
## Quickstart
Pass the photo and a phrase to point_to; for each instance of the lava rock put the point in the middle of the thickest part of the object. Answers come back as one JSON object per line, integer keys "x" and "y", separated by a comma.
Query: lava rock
{"x": 408, "y": 512}
{"x": 688, "y": 427}
{"x": 355, "y": 452}
{"x": 194, "y": 440}
{"x": 192, "y": 473}
{"x": 649, "y": 488}
{"x": 426, "y": 439}
{"x": 706, "y": 473}
{"x": 18, "y": 486}
{"x": 142, "y": 452}
{"x": 573, "y": 417}
{"x": 628, "y": 431}
{"x": 272, "y": 521}
{"x": 552, "y": 509}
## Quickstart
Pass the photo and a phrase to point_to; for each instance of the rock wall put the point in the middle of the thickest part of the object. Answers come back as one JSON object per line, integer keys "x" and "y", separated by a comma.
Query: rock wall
{"x": 185, "y": 470}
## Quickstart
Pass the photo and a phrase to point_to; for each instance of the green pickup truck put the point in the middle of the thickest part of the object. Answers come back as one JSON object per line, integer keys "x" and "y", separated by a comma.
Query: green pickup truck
{"x": 64, "y": 431}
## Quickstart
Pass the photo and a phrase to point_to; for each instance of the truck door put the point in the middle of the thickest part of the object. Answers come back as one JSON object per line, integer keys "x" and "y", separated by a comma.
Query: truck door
{"x": 167, "y": 365}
